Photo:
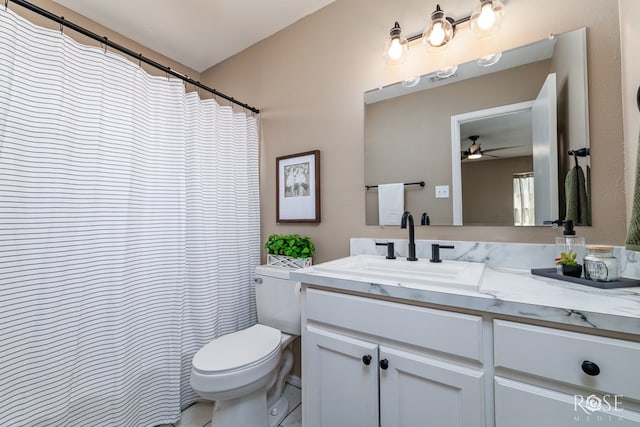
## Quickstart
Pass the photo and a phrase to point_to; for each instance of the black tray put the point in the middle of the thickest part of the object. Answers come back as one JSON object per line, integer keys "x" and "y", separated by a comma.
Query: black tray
{"x": 620, "y": 283}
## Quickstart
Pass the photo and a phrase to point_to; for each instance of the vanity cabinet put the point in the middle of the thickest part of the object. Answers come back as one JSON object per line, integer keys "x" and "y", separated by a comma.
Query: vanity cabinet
{"x": 552, "y": 377}
{"x": 368, "y": 362}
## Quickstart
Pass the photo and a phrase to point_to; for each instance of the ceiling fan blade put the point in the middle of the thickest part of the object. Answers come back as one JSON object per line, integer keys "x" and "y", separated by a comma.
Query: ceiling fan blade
{"x": 488, "y": 150}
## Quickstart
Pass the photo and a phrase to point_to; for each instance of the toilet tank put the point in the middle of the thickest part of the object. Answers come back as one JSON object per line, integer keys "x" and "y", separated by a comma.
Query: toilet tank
{"x": 277, "y": 299}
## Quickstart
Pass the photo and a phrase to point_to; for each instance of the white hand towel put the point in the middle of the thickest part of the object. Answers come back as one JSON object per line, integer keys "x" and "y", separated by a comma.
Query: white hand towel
{"x": 390, "y": 203}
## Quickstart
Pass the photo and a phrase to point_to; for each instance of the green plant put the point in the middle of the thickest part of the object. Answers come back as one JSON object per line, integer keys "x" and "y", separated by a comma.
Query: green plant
{"x": 292, "y": 245}
{"x": 567, "y": 258}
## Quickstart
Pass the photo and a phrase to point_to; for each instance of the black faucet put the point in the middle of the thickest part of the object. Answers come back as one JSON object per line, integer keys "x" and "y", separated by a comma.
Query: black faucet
{"x": 412, "y": 238}
{"x": 435, "y": 251}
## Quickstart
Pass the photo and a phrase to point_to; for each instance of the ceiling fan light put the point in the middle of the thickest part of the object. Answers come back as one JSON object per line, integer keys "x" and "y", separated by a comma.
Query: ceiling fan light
{"x": 474, "y": 156}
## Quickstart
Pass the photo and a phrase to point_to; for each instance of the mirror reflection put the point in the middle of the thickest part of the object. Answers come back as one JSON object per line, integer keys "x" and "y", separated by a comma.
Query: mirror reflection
{"x": 491, "y": 142}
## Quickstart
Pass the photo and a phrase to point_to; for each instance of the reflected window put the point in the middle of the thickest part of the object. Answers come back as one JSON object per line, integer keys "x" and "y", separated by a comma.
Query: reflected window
{"x": 523, "y": 199}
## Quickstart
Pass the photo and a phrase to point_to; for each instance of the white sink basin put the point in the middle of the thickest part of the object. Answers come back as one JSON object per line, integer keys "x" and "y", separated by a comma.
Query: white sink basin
{"x": 411, "y": 274}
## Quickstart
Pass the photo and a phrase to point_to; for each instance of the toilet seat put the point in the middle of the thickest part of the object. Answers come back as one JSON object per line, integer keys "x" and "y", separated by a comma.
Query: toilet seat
{"x": 238, "y": 350}
{"x": 234, "y": 363}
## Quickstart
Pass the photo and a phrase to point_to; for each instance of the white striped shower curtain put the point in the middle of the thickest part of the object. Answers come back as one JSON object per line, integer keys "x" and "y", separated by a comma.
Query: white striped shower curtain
{"x": 129, "y": 232}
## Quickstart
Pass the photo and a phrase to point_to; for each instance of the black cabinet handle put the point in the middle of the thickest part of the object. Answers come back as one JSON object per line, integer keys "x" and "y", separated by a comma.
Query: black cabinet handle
{"x": 590, "y": 368}
{"x": 384, "y": 364}
{"x": 366, "y": 360}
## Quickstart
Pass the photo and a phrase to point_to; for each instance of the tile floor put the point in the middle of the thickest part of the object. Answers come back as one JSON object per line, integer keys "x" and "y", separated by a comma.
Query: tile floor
{"x": 199, "y": 414}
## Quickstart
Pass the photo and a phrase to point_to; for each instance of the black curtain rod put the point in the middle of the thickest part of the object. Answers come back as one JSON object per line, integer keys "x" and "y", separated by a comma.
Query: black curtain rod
{"x": 421, "y": 184}
{"x": 103, "y": 39}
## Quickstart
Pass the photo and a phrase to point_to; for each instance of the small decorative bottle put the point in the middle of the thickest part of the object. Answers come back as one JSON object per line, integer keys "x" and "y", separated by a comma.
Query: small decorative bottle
{"x": 569, "y": 243}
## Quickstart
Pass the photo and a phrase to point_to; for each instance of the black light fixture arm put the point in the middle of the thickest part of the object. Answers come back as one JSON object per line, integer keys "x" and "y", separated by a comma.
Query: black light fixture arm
{"x": 108, "y": 43}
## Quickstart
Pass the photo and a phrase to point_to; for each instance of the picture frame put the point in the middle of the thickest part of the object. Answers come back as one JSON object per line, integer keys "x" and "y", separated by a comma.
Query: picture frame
{"x": 298, "y": 187}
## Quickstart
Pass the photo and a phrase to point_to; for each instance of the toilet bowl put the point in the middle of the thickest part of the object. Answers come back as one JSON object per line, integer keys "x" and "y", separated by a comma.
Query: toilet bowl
{"x": 244, "y": 372}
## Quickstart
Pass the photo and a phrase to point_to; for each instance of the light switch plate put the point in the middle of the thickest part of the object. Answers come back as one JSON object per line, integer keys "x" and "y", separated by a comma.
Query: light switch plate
{"x": 442, "y": 191}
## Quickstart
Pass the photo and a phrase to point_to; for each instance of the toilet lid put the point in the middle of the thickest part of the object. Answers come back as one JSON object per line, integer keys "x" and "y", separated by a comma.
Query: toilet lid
{"x": 233, "y": 351}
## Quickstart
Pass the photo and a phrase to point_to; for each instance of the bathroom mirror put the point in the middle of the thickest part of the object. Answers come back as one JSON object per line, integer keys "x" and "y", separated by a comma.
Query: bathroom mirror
{"x": 523, "y": 111}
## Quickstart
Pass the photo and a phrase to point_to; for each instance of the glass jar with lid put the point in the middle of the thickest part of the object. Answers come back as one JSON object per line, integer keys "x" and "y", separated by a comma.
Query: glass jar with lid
{"x": 600, "y": 264}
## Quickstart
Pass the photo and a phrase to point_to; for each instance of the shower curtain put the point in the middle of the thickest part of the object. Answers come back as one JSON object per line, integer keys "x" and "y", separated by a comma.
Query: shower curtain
{"x": 129, "y": 233}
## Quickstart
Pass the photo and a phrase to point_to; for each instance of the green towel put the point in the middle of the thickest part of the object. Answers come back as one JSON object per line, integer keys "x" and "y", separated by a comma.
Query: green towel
{"x": 632, "y": 241}
{"x": 588, "y": 195}
{"x": 576, "y": 196}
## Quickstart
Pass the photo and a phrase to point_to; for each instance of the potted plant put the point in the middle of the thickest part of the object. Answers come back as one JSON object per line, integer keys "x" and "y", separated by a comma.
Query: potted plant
{"x": 289, "y": 250}
{"x": 569, "y": 265}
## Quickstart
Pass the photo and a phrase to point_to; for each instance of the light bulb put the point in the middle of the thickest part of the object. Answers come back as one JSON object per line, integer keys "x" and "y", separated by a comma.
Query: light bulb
{"x": 437, "y": 35}
{"x": 439, "y": 31}
{"x": 395, "y": 49}
{"x": 487, "y": 17}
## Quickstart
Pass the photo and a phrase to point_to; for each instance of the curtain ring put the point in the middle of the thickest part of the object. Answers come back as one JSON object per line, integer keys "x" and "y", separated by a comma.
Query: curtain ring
{"x": 140, "y": 60}
{"x": 62, "y": 25}
{"x": 6, "y": 5}
{"x": 106, "y": 43}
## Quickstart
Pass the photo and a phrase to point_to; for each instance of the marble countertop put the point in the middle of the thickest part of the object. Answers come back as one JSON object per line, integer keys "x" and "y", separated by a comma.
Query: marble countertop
{"x": 512, "y": 292}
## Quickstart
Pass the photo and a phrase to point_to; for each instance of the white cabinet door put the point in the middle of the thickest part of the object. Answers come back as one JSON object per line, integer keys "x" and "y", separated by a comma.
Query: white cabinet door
{"x": 340, "y": 380}
{"x": 525, "y": 405}
{"x": 420, "y": 391}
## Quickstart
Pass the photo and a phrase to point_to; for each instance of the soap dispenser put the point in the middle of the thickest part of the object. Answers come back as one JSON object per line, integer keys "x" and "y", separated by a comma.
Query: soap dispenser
{"x": 569, "y": 242}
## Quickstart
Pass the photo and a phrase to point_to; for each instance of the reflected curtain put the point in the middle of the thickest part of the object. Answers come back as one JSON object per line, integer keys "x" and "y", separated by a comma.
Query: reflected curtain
{"x": 129, "y": 233}
{"x": 523, "y": 199}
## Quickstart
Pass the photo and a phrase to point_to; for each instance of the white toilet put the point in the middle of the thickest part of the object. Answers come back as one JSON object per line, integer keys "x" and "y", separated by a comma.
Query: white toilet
{"x": 244, "y": 372}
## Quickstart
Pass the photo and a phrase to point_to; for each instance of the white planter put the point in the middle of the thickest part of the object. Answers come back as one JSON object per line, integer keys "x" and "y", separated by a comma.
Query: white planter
{"x": 288, "y": 262}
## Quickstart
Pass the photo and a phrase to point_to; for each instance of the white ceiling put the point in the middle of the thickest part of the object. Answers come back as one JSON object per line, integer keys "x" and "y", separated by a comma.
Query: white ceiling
{"x": 196, "y": 33}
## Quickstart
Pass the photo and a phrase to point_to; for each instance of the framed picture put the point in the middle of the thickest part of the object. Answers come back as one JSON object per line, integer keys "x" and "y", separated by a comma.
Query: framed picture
{"x": 298, "y": 187}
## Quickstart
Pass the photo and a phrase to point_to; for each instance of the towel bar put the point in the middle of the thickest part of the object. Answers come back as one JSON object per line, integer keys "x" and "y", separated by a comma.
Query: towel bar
{"x": 421, "y": 184}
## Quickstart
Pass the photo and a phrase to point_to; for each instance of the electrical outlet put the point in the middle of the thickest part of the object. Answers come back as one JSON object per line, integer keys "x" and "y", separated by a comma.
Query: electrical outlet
{"x": 442, "y": 191}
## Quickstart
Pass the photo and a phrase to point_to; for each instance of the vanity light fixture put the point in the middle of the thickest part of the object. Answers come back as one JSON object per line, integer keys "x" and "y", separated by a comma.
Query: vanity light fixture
{"x": 445, "y": 73}
{"x": 395, "y": 49}
{"x": 489, "y": 60}
{"x": 440, "y": 30}
{"x": 487, "y": 17}
{"x": 411, "y": 82}
{"x": 485, "y": 20}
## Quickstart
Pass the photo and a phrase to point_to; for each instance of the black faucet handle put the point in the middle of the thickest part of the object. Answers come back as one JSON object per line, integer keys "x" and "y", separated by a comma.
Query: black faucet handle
{"x": 424, "y": 219}
{"x": 391, "y": 252}
{"x": 435, "y": 251}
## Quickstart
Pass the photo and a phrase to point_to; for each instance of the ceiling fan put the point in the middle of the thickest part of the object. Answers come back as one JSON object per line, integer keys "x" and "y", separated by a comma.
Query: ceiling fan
{"x": 476, "y": 152}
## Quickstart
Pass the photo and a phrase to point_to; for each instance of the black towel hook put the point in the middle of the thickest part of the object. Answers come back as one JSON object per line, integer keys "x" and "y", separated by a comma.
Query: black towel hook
{"x": 638, "y": 98}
